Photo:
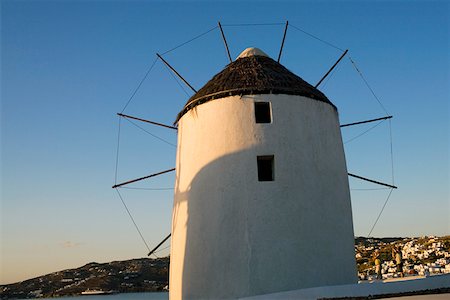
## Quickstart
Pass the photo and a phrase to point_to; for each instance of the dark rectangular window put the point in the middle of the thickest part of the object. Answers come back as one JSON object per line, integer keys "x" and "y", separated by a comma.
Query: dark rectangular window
{"x": 265, "y": 168}
{"x": 262, "y": 112}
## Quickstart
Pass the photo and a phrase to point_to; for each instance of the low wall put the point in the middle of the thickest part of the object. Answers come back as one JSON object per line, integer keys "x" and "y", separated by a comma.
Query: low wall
{"x": 392, "y": 286}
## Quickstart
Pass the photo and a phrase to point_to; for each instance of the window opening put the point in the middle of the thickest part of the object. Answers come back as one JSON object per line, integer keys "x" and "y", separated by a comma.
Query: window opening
{"x": 262, "y": 112}
{"x": 265, "y": 168}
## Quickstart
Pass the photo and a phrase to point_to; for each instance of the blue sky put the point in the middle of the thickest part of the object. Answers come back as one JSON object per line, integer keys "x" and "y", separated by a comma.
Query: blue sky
{"x": 67, "y": 67}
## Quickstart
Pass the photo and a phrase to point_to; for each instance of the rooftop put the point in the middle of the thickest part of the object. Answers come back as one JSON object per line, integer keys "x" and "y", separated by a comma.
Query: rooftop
{"x": 253, "y": 72}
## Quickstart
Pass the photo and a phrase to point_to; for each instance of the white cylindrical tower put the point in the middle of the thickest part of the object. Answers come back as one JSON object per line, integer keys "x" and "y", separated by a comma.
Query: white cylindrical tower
{"x": 262, "y": 200}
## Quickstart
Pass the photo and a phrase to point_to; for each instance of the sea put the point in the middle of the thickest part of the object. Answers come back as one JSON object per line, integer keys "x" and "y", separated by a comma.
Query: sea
{"x": 125, "y": 296}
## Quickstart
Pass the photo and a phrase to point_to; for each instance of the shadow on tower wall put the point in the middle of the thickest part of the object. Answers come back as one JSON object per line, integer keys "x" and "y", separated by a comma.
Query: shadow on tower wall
{"x": 247, "y": 237}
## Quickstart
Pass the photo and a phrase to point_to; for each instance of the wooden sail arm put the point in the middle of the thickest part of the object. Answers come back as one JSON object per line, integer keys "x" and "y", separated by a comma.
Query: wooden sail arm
{"x": 142, "y": 178}
{"x": 176, "y": 73}
{"x": 331, "y": 69}
{"x": 368, "y": 121}
{"x": 146, "y": 121}
{"x": 282, "y": 42}
{"x": 373, "y": 181}
{"x": 225, "y": 42}
{"x": 159, "y": 245}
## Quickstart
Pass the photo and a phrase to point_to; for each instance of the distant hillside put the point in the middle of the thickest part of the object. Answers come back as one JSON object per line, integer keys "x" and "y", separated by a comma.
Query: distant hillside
{"x": 136, "y": 275}
{"x": 374, "y": 241}
{"x": 421, "y": 255}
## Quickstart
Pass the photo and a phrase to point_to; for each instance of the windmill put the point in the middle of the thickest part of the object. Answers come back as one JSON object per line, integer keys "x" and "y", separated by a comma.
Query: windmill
{"x": 261, "y": 184}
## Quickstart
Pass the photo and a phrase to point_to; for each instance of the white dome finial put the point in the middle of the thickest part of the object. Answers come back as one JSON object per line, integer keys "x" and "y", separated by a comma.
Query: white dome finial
{"x": 251, "y": 52}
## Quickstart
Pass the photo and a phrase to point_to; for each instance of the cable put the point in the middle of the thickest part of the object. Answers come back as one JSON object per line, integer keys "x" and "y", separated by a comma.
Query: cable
{"x": 148, "y": 189}
{"x": 155, "y": 136}
{"x": 253, "y": 24}
{"x": 379, "y": 215}
{"x": 162, "y": 249}
{"x": 132, "y": 219}
{"x": 392, "y": 152}
{"x": 194, "y": 38}
{"x": 154, "y": 253}
{"x": 140, "y": 83}
{"x": 329, "y": 77}
{"x": 117, "y": 152}
{"x": 176, "y": 80}
{"x": 317, "y": 38}
{"x": 364, "y": 132}
{"x": 379, "y": 189}
{"x": 367, "y": 84}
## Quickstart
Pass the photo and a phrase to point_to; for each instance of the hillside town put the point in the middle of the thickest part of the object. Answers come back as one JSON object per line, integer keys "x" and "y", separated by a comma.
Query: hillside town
{"x": 423, "y": 256}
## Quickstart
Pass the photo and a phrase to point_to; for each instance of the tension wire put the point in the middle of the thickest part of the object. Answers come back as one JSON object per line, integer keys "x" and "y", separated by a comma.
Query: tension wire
{"x": 117, "y": 152}
{"x": 367, "y": 84}
{"x": 139, "y": 85}
{"x": 329, "y": 77}
{"x": 392, "y": 152}
{"x": 317, "y": 38}
{"x": 379, "y": 215}
{"x": 154, "y": 253}
{"x": 153, "y": 135}
{"x": 193, "y": 39}
{"x": 176, "y": 80}
{"x": 377, "y": 189}
{"x": 385, "y": 110}
{"x": 147, "y": 189}
{"x": 253, "y": 24}
{"x": 364, "y": 132}
{"x": 132, "y": 219}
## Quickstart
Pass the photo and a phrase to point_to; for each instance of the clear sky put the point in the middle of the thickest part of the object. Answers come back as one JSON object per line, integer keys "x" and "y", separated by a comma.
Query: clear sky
{"x": 67, "y": 68}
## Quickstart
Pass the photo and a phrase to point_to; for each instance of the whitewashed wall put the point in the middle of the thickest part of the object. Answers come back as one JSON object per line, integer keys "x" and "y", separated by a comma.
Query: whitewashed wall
{"x": 233, "y": 236}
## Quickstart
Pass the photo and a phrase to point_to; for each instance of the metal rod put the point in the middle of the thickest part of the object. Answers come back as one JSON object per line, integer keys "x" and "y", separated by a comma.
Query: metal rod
{"x": 142, "y": 178}
{"x": 225, "y": 42}
{"x": 159, "y": 245}
{"x": 146, "y": 121}
{"x": 373, "y": 181}
{"x": 176, "y": 73}
{"x": 282, "y": 42}
{"x": 331, "y": 69}
{"x": 368, "y": 121}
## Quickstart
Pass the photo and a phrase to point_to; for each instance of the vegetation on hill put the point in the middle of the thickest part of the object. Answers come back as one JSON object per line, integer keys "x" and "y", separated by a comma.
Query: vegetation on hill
{"x": 137, "y": 275}
{"x": 152, "y": 275}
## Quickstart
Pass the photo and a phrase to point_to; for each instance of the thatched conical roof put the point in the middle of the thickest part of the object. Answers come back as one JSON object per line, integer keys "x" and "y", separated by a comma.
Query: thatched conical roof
{"x": 253, "y": 72}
